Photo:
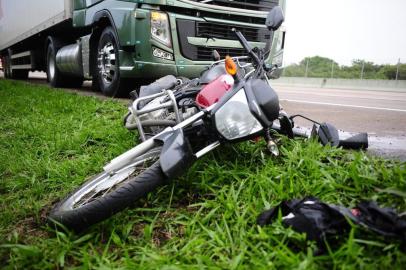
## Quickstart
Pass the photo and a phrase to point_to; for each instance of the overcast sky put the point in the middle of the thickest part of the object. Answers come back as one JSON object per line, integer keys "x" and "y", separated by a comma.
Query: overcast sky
{"x": 373, "y": 30}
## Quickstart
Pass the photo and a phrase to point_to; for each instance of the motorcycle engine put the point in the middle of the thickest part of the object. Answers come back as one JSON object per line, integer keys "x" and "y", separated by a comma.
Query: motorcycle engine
{"x": 161, "y": 114}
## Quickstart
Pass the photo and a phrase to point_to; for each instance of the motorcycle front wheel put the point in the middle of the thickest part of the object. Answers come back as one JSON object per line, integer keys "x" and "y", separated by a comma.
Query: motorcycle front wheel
{"x": 106, "y": 194}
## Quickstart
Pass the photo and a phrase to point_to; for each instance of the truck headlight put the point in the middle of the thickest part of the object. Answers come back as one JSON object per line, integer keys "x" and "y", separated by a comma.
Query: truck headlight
{"x": 160, "y": 29}
{"x": 234, "y": 120}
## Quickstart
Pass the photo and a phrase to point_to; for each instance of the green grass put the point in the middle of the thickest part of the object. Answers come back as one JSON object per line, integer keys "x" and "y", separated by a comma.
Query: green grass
{"x": 50, "y": 141}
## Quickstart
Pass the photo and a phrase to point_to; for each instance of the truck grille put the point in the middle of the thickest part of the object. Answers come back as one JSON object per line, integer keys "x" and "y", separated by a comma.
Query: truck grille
{"x": 259, "y": 5}
{"x": 205, "y": 53}
{"x": 224, "y": 31}
{"x": 188, "y": 28}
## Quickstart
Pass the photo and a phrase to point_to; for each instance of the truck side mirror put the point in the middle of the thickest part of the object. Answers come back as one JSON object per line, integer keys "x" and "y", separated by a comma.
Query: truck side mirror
{"x": 274, "y": 19}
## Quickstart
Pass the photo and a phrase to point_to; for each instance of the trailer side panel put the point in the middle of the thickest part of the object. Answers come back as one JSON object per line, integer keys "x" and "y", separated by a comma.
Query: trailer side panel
{"x": 21, "y": 19}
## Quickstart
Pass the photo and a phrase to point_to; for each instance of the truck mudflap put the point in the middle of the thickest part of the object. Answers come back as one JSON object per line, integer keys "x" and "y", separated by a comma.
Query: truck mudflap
{"x": 177, "y": 155}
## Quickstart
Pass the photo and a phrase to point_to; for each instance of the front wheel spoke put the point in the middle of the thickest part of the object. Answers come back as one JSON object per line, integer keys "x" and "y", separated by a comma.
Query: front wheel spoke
{"x": 107, "y": 191}
{"x": 87, "y": 200}
{"x": 112, "y": 186}
{"x": 108, "y": 184}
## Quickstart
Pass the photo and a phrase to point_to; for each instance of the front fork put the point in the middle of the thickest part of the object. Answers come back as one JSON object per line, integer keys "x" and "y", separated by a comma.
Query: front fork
{"x": 285, "y": 127}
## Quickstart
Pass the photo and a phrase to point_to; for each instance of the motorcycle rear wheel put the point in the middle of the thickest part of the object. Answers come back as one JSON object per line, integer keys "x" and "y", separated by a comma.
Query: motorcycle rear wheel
{"x": 104, "y": 195}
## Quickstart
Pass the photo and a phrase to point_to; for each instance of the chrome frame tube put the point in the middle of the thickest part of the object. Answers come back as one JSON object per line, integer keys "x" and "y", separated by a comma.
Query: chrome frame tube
{"x": 207, "y": 149}
{"x": 178, "y": 116}
{"x": 136, "y": 113}
{"x": 138, "y": 123}
{"x": 125, "y": 158}
{"x": 243, "y": 66}
{"x": 158, "y": 107}
{"x": 249, "y": 73}
{"x": 223, "y": 60}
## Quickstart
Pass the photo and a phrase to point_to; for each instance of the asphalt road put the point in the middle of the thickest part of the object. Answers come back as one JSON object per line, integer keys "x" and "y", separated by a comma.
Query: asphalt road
{"x": 380, "y": 113}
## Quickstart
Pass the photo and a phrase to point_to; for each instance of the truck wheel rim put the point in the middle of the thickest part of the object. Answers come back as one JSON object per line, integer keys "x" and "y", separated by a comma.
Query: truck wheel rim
{"x": 107, "y": 63}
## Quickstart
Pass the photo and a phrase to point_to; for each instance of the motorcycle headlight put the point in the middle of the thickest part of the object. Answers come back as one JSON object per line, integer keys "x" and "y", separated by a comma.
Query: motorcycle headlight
{"x": 160, "y": 29}
{"x": 234, "y": 120}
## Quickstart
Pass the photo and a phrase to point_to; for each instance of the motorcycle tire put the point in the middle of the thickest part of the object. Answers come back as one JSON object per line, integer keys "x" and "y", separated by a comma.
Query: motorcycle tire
{"x": 103, "y": 196}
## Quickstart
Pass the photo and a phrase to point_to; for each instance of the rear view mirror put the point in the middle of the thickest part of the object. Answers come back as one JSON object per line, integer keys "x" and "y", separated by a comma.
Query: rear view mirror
{"x": 275, "y": 19}
{"x": 327, "y": 134}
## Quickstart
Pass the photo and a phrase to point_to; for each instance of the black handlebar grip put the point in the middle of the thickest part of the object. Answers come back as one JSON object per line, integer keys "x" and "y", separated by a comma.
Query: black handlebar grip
{"x": 359, "y": 141}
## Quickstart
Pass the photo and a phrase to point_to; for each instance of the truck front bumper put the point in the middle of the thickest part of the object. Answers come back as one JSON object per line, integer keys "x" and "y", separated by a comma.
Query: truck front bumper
{"x": 151, "y": 70}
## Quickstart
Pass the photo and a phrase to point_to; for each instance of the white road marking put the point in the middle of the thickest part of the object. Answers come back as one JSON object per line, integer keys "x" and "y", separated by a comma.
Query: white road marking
{"x": 344, "y": 105}
{"x": 340, "y": 95}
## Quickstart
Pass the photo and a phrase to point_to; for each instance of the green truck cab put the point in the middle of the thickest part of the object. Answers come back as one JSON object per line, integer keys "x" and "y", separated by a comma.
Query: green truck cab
{"x": 119, "y": 43}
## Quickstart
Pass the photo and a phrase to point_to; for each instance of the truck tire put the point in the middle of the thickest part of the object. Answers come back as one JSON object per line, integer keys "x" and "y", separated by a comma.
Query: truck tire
{"x": 54, "y": 76}
{"x": 108, "y": 66}
{"x": 101, "y": 196}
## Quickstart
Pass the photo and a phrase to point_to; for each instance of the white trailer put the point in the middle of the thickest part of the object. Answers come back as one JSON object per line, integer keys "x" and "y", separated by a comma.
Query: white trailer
{"x": 21, "y": 21}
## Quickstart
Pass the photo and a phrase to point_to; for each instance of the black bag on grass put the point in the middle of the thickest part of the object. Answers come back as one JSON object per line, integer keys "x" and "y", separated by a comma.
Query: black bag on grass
{"x": 384, "y": 221}
{"x": 321, "y": 221}
{"x": 318, "y": 220}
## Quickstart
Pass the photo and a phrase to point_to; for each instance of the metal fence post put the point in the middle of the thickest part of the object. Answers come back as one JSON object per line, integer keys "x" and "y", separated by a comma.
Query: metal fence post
{"x": 307, "y": 67}
{"x": 397, "y": 69}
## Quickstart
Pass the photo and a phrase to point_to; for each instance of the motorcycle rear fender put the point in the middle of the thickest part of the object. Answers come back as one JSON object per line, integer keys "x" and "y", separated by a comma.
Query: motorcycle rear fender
{"x": 177, "y": 155}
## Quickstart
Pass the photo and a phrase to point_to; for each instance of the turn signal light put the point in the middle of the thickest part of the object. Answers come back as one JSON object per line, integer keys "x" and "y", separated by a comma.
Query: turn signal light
{"x": 231, "y": 66}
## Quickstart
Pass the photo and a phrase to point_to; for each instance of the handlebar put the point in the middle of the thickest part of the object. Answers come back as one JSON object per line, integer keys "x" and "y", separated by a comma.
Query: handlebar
{"x": 247, "y": 46}
{"x": 359, "y": 141}
{"x": 355, "y": 142}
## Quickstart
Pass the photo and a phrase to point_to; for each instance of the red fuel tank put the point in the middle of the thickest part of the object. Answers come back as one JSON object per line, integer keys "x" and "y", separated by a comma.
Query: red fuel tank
{"x": 212, "y": 92}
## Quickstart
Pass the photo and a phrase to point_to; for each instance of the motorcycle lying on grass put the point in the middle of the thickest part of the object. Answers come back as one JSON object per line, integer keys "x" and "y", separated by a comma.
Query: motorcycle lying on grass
{"x": 231, "y": 102}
